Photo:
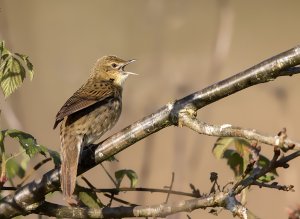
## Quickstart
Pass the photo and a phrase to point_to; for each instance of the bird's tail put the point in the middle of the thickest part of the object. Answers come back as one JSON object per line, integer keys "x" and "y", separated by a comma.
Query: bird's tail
{"x": 70, "y": 151}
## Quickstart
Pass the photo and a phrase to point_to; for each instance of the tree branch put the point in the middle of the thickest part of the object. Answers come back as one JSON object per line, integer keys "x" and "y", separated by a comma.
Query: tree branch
{"x": 34, "y": 192}
{"x": 248, "y": 180}
{"x": 227, "y": 130}
{"x": 160, "y": 210}
{"x": 216, "y": 198}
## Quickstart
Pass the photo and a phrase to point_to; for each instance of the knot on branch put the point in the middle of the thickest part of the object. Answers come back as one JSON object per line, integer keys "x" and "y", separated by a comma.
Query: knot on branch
{"x": 235, "y": 207}
{"x": 181, "y": 112}
{"x": 281, "y": 141}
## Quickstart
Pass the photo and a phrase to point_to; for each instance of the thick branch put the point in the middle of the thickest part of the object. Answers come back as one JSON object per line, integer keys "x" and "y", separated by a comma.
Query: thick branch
{"x": 160, "y": 210}
{"x": 268, "y": 70}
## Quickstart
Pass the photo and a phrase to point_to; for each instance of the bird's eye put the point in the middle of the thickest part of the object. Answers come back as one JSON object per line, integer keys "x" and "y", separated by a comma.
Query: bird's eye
{"x": 114, "y": 65}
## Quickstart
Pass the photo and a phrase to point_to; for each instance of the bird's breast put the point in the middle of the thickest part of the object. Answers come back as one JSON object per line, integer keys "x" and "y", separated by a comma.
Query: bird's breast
{"x": 92, "y": 123}
{"x": 101, "y": 120}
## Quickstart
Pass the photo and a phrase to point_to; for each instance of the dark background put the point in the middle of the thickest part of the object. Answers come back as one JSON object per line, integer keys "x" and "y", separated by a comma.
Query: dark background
{"x": 175, "y": 45}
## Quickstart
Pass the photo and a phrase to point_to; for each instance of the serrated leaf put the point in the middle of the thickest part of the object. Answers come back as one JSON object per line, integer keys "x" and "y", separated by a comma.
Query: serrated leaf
{"x": 12, "y": 76}
{"x": 13, "y": 69}
{"x": 55, "y": 157}
{"x": 13, "y": 168}
{"x": 29, "y": 68}
{"x": 132, "y": 176}
{"x": 3, "y": 68}
{"x": 28, "y": 64}
{"x": 90, "y": 199}
{"x": 28, "y": 142}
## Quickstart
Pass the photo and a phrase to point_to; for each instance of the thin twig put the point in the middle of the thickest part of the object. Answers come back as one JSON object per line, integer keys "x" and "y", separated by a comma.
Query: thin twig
{"x": 170, "y": 187}
{"x": 109, "y": 176}
{"x": 274, "y": 186}
{"x": 33, "y": 170}
{"x": 112, "y": 197}
{"x": 9, "y": 188}
{"x": 88, "y": 183}
{"x": 152, "y": 190}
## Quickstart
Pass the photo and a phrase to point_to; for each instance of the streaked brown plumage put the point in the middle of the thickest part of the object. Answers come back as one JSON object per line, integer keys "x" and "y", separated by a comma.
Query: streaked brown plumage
{"x": 88, "y": 114}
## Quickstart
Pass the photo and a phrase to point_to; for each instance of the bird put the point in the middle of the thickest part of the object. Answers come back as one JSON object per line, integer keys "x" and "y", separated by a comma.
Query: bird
{"x": 90, "y": 112}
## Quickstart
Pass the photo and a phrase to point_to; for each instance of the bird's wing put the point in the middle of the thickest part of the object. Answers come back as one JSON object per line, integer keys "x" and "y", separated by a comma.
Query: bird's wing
{"x": 86, "y": 96}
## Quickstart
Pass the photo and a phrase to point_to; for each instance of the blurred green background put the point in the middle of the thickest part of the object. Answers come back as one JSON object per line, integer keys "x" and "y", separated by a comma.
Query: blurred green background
{"x": 181, "y": 47}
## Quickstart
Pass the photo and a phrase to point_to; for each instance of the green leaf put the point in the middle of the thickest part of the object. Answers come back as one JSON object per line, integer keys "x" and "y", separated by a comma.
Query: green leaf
{"x": 28, "y": 142}
{"x": 132, "y": 176}
{"x": 221, "y": 146}
{"x": 238, "y": 159}
{"x": 90, "y": 199}
{"x": 223, "y": 143}
{"x": 28, "y": 64}
{"x": 264, "y": 162}
{"x": 55, "y": 157}
{"x": 242, "y": 146}
{"x": 235, "y": 162}
{"x": 13, "y": 70}
{"x": 267, "y": 178}
{"x": 112, "y": 158}
{"x": 24, "y": 161}
{"x": 2, "y": 136}
{"x": 3, "y": 51}
{"x": 3, "y": 65}
{"x": 13, "y": 75}
{"x": 29, "y": 68}
{"x": 13, "y": 168}
{"x": 2, "y": 47}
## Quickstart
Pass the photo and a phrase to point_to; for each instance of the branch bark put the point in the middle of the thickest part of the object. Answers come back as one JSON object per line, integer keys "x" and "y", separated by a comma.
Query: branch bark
{"x": 222, "y": 198}
{"x": 227, "y": 130}
{"x": 34, "y": 192}
{"x": 160, "y": 210}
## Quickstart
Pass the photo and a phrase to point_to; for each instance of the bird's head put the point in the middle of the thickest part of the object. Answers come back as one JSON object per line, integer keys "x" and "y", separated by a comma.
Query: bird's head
{"x": 111, "y": 68}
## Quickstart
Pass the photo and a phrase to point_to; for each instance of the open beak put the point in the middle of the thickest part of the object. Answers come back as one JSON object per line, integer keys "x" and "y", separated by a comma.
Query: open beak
{"x": 128, "y": 72}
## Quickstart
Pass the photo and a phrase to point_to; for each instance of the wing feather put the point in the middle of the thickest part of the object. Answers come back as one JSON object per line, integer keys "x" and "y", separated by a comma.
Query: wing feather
{"x": 87, "y": 95}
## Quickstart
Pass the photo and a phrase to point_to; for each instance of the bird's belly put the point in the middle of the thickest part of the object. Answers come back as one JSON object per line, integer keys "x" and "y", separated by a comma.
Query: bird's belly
{"x": 98, "y": 121}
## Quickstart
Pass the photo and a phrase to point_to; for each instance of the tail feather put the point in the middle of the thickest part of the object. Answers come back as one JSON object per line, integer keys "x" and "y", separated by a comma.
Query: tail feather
{"x": 70, "y": 155}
